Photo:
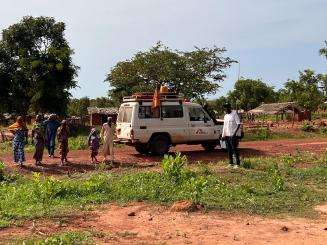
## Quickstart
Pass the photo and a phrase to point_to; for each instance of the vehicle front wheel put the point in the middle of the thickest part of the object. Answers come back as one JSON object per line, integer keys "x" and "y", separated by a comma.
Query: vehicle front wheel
{"x": 142, "y": 148}
{"x": 209, "y": 146}
{"x": 160, "y": 145}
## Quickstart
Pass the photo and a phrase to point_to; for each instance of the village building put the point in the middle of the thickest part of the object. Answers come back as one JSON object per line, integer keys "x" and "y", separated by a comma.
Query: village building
{"x": 98, "y": 116}
{"x": 286, "y": 110}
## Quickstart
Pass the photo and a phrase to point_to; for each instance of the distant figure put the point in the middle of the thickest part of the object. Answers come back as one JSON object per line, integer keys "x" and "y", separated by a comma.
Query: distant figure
{"x": 94, "y": 144}
{"x": 50, "y": 133}
{"x": 107, "y": 137}
{"x": 38, "y": 136}
{"x": 230, "y": 133}
{"x": 62, "y": 136}
{"x": 20, "y": 132}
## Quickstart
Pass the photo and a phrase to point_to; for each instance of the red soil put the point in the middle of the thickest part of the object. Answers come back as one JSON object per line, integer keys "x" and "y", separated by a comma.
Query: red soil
{"x": 127, "y": 156}
{"x": 158, "y": 225}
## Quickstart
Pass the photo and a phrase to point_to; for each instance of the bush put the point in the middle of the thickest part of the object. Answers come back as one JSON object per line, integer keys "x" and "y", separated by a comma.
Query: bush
{"x": 276, "y": 177}
{"x": 2, "y": 174}
{"x": 173, "y": 166}
{"x": 307, "y": 127}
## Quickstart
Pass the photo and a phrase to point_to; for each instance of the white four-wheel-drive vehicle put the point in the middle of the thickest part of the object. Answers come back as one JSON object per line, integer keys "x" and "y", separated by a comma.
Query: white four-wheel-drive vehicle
{"x": 174, "y": 121}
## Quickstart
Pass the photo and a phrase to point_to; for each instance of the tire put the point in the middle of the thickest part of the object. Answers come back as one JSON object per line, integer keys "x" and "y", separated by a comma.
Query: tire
{"x": 209, "y": 146}
{"x": 160, "y": 145}
{"x": 142, "y": 149}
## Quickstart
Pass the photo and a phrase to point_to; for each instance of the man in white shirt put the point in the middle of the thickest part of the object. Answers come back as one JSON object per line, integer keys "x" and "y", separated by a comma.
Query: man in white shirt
{"x": 231, "y": 131}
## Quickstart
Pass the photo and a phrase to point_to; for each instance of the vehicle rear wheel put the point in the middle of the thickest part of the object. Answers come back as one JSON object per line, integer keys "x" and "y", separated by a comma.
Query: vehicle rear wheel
{"x": 160, "y": 145}
{"x": 142, "y": 148}
{"x": 209, "y": 146}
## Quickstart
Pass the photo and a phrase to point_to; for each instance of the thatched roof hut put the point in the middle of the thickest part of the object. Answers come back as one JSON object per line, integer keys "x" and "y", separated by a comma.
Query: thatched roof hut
{"x": 276, "y": 108}
{"x": 99, "y": 115}
{"x": 285, "y": 108}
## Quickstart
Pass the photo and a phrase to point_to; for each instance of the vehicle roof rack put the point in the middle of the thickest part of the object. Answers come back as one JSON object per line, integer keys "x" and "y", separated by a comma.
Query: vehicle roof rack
{"x": 148, "y": 97}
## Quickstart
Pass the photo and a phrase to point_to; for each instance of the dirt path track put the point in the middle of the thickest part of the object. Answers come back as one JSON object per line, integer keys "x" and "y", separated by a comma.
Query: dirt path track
{"x": 158, "y": 225}
{"x": 127, "y": 156}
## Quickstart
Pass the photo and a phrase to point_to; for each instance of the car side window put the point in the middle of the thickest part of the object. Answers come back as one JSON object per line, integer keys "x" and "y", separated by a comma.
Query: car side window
{"x": 172, "y": 111}
{"x": 197, "y": 114}
{"x": 146, "y": 112}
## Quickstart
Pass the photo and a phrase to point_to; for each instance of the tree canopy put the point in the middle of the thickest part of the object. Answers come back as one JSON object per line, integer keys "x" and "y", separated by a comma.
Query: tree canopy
{"x": 36, "y": 69}
{"x": 323, "y": 51}
{"x": 249, "y": 93}
{"x": 78, "y": 107}
{"x": 195, "y": 73}
{"x": 305, "y": 91}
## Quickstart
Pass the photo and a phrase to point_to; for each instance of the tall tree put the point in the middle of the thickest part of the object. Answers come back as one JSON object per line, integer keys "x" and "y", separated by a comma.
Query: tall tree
{"x": 37, "y": 67}
{"x": 78, "y": 107}
{"x": 195, "y": 73}
{"x": 101, "y": 102}
{"x": 305, "y": 91}
{"x": 218, "y": 105}
{"x": 323, "y": 51}
{"x": 248, "y": 94}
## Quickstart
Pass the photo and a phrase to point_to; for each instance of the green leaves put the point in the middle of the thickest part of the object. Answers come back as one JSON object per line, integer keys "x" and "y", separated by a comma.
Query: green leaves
{"x": 249, "y": 94}
{"x": 305, "y": 91}
{"x": 36, "y": 68}
{"x": 323, "y": 51}
{"x": 195, "y": 73}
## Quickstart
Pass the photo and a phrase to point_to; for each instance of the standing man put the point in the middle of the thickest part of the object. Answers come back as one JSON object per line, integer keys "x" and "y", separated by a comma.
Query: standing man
{"x": 231, "y": 131}
{"x": 50, "y": 133}
{"x": 108, "y": 139}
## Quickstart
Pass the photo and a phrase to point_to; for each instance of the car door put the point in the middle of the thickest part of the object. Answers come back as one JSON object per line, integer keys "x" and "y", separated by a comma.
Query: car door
{"x": 200, "y": 126}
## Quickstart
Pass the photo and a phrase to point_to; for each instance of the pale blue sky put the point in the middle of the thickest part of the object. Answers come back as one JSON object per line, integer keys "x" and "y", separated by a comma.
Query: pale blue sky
{"x": 273, "y": 39}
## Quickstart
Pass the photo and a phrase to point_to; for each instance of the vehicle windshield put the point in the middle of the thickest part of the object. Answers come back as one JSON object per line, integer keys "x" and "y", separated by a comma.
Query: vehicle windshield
{"x": 125, "y": 114}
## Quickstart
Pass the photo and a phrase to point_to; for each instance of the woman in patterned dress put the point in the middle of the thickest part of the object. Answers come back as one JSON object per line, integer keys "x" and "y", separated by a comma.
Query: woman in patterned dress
{"x": 94, "y": 144}
{"x": 62, "y": 136}
{"x": 20, "y": 132}
{"x": 38, "y": 136}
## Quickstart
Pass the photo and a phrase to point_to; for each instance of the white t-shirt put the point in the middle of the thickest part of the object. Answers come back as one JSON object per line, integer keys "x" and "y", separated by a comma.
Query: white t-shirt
{"x": 231, "y": 122}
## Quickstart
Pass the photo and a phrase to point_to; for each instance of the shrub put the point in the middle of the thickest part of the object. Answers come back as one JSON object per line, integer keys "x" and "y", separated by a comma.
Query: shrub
{"x": 276, "y": 177}
{"x": 173, "y": 166}
{"x": 307, "y": 127}
{"x": 247, "y": 164}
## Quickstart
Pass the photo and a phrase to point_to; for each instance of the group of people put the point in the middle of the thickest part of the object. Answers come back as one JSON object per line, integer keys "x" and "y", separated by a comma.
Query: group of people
{"x": 44, "y": 134}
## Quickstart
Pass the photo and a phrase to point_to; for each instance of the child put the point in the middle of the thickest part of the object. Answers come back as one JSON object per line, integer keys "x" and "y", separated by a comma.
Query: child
{"x": 94, "y": 144}
{"x": 62, "y": 135}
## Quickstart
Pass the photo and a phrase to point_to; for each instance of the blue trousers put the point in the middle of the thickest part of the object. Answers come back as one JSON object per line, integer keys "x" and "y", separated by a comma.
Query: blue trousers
{"x": 231, "y": 144}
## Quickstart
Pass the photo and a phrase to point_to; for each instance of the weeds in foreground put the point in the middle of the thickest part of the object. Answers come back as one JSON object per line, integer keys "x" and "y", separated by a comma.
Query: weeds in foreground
{"x": 267, "y": 186}
{"x": 60, "y": 239}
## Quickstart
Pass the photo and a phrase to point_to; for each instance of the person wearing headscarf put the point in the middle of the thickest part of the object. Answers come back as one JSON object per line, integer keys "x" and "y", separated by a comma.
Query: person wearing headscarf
{"x": 107, "y": 137}
{"x": 38, "y": 136}
{"x": 94, "y": 144}
{"x": 52, "y": 126}
{"x": 20, "y": 132}
{"x": 62, "y": 136}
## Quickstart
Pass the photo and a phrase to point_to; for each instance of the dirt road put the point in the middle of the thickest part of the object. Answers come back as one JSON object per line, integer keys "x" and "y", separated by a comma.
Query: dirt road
{"x": 127, "y": 156}
{"x": 158, "y": 225}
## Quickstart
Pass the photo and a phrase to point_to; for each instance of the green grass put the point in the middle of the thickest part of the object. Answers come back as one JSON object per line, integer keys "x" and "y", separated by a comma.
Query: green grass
{"x": 267, "y": 186}
{"x": 264, "y": 134}
{"x": 59, "y": 239}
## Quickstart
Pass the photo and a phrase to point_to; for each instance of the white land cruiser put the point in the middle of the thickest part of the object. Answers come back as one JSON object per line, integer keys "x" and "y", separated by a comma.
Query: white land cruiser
{"x": 177, "y": 122}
